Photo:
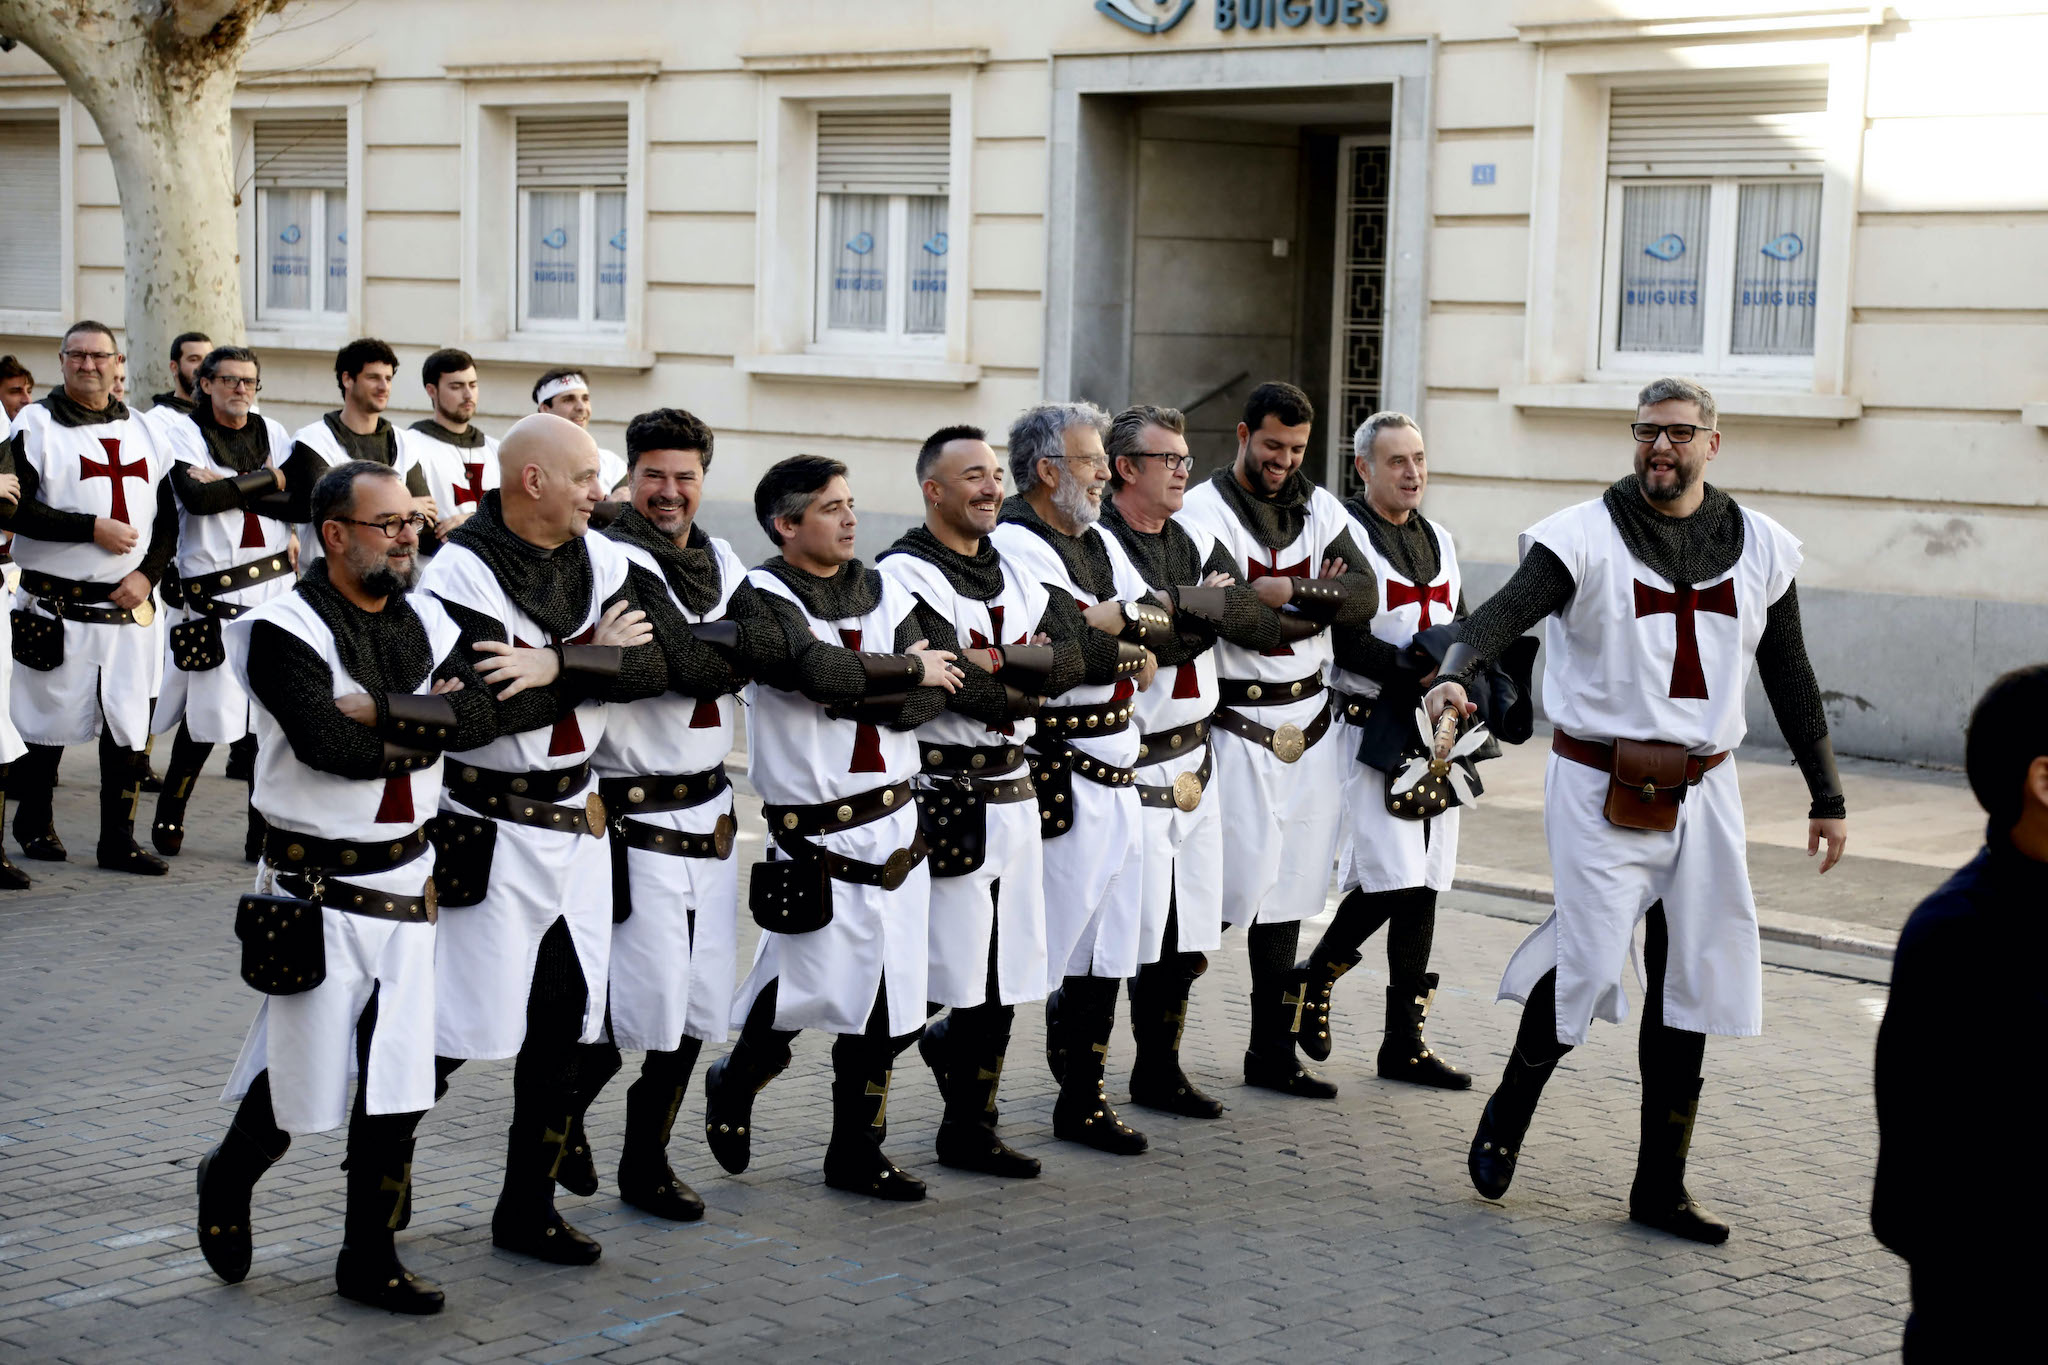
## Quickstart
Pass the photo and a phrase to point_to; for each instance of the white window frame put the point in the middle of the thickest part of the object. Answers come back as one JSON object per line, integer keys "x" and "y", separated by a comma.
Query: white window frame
{"x": 892, "y": 339}
{"x": 37, "y": 99}
{"x": 312, "y": 319}
{"x": 264, "y": 96}
{"x": 1717, "y": 289}
{"x": 586, "y": 321}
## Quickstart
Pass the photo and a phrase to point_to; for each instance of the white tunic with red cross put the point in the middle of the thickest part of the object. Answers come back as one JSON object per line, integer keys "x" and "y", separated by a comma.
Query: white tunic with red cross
{"x": 106, "y": 469}
{"x": 487, "y": 952}
{"x": 1378, "y": 851}
{"x": 212, "y": 703}
{"x": 673, "y": 957}
{"x": 307, "y": 1041}
{"x": 457, "y": 476}
{"x": 965, "y": 910}
{"x": 797, "y": 755}
{"x": 1635, "y": 656}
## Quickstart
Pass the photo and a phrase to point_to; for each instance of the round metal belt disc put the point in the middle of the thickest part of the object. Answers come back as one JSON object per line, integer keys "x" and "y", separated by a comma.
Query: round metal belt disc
{"x": 1289, "y": 743}
{"x": 722, "y": 836}
{"x": 897, "y": 868}
{"x": 433, "y": 900}
{"x": 144, "y": 612}
{"x": 1187, "y": 791}
{"x": 593, "y": 814}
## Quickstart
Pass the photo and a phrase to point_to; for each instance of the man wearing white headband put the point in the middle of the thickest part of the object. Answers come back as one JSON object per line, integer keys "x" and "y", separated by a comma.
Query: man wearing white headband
{"x": 566, "y": 393}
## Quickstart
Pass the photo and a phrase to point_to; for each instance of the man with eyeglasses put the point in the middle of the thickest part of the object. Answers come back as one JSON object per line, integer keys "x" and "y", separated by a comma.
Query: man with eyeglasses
{"x": 95, "y": 530}
{"x": 358, "y": 687}
{"x": 521, "y": 968}
{"x": 1277, "y": 775}
{"x": 1083, "y": 750}
{"x": 234, "y": 552}
{"x": 1182, "y": 829}
{"x": 1661, "y": 596}
{"x": 357, "y": 430}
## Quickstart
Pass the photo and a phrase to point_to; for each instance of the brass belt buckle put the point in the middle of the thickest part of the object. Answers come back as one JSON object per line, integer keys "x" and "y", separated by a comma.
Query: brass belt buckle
{"x": 897, "y": 869}
{"x": 1187, "y": 791}
{"x": 722, "y": 835}
{"x": 143, "y": 612}
{"x": 1289, "y": 743}
{"x": 593, "y": 815}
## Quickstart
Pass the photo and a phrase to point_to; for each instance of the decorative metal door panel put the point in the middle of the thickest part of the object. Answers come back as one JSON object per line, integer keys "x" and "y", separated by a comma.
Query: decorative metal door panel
{"x": 1358, "y": 320}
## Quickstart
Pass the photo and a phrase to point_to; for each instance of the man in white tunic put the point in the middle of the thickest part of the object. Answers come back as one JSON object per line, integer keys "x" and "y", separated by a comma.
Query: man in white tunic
{"x": 1182, "y": 906}
{"x": 661, "y": 772}
{"x": 976, "y": 803}
{"x": 233, "y": 553}
{"x": 364, "y": 371}
{"x": 566, "y": 393}
{"x": 358, "y": 686}
{"x": 13, "y": 387}
{"x": 1660, "y": 596}
{"x": 1083, "y": 750}
{"x": 94, "y": 532}
{"x": 523, "y": 861}
{"x": 1278, "y": 774}
{"x": 459, "y": 462}
{"x": 843, "y": 681}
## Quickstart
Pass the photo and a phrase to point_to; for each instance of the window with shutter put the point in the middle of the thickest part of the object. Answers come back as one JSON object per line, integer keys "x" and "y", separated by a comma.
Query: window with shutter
{"x": 301, "y": 181}
{"x": 884, "y": 177}
{"x": 572, "y": 222}
{"x": 31, "y": 222}
{"x": 1713, "y": 226}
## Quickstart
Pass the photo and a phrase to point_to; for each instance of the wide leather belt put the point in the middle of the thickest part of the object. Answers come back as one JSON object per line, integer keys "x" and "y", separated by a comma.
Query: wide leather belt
{"x": 1600, "y": 754}
{"x": 1054, "y": 751}
{"x": 888, "y": 874}
{"x": 1352, "y": 707}
{"x": 522, "y": 798}
{"x": 653, "y": 792}
{"x": 199, "y": 589}
{"x": 1165, "y": 744}
{"x": 1106, "y": 719}
{"x": 1184, "y": 792}
{"x": 292, "y": 851}
{"x": 1237, "y": 692}
{"x": 848, "y": 812}
{"x": 996, "y": 791}
{"x": 654, "y": 839}
{"x": 362, "y": 900}
{"x": 86, "y": 602}
{"x": 970, "y": 760}
{"x": 1288, "y": 743}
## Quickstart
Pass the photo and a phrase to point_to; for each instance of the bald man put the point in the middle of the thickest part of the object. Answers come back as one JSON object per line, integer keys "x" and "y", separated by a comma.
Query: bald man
{"x": 521, "y": 838}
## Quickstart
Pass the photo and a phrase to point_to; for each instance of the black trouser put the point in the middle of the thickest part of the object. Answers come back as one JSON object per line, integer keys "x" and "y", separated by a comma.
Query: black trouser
{"x": 1409, "y": 916}
{"x": 1271, "y": 950}
{"x": 1665, "y": 1056}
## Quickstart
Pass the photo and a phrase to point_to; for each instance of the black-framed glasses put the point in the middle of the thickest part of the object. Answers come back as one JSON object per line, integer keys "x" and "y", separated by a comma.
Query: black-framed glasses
{"x": 102, "y": 357}
{"x": 235, "y": 381}
{"x": 1174, "y": 462}
{"x": 390, "y": 525}
{"x": 1679, "y": 433}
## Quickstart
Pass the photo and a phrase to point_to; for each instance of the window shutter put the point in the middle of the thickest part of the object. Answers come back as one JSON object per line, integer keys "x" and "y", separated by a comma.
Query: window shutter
{"x": 302, "y": 153}
{"x": 1718, "y": 130}
{"x": 573, "y": 153}
{"x": 30, "y": 220}
{"x": 884, "y": 151}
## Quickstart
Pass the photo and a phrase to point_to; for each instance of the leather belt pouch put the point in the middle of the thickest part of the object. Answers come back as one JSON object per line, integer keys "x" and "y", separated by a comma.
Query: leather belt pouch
{"x": 463, "y": 848}
{"x": 38, "y": 640}
{"x": 1647, "y": 784}
{"x": 196, "y": 645}
{"x": 791, "y": 895}
{"x": 954, "y": 818}
{"x": 284, "y": 948}
{"x": 1053, "y": 775}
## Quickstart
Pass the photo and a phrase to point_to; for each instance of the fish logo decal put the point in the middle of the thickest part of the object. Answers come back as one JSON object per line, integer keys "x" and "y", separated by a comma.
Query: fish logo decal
{"x": 556, "y": 240}
{"x": 936, "y": 244}
{"x": 1669, "y": 247}
{"x": 618, "y": 240}
{"x": 1145, "y": 16}
{"x": 862, "y": 243}
{"x": 1784, "y": 246}
{"x": 291, "y": 234}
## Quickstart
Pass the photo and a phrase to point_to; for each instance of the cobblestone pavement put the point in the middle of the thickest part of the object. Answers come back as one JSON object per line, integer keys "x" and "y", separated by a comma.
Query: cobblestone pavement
{"x": 1287, "y": 1230}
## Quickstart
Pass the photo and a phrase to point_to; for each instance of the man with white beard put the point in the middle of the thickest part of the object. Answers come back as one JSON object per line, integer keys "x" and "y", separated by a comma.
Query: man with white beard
{"x": 1083, "y": 750}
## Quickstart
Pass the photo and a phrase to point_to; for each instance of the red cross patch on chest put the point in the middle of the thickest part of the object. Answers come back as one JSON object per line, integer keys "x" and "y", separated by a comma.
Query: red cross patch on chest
{"x": 1688, "y": 679}
{"x": 1401, "y": 594}
{"x": 1255, "y": 570}
{"x": 867, "y": 740}
{"x": 473, "y": 490}
{"x": 112, "y": 470}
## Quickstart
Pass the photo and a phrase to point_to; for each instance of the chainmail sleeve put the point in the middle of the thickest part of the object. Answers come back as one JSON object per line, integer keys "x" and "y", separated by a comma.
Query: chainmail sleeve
{"x": 1540, "y": 587}
{"x": 695, "y": 669}
{"x": 1061, "y": 622}
{"x": 776, "y": 646}
{"x": 1247, "y": 622}
{"x": 297, "y": 687}
{"x": 476, "y": 710}
{"x": 1794, "y": 693}
{"x": 1361, "y": 588}
{"x": 163, "y": 535}
{"x": 643, "y": 669}
{"x": 925, "y": 703}
{"x": 536, "y": 708}
{"x": 980, "y": 695}
{"x": 1096, "y": 648}
{"x": 1366, "y": 654}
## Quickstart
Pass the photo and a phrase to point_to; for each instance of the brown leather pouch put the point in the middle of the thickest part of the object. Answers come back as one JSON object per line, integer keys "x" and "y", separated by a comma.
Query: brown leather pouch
{"x": 1647, "y": 784}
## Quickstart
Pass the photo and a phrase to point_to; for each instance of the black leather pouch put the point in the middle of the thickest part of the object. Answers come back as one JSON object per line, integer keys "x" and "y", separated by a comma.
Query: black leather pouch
{"x": 463, "y": 848}
{"x": 791, "y": 895}
{"x": 284, "y": 949}
{"x": 196, "y": 645}
{"x": 1053, "y": 775}
{"x": 38, "y": 640}
{"x": 954, "y": 819}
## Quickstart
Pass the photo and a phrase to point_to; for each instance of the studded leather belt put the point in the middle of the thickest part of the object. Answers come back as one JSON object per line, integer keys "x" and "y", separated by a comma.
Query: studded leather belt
{"x": 363, "y": 900}
{"x": 1599, "y": 754}
{"x": 1184, "y": 792}
{"x": 848, "y": 812}
{"x": 653, "y": 792}
{"x": 994, "y": 790}
{"x": 290, "y": 851}
{"x": 887, "y": 874}
{"x": 85, "y": 602}
{"x": 970, "y": 760}
{"x": 1052, "y": 752}
{"x": 1352, "y": 707}
{"x": 1287, "y": 743}
{"x": 1106, "y": 719}
{"x": 1237, "y": 692}
{"x": 522, "y": 798}
{"x": 1165, "y": 744}
{"x": 199, "y": 589}
{"x": 676, "y": 843}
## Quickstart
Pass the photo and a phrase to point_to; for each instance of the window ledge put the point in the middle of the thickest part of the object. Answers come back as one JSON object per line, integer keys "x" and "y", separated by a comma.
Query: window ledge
{"x": 2034, "y": 414}
{"x": 584, "y": 352}
{"x": 861, "y": 369}
{"x": 263, "y": 338}
{"x": 1765, "y": 405}
{"x": 24, "y": 322}
{"x": 1546, "y": 21}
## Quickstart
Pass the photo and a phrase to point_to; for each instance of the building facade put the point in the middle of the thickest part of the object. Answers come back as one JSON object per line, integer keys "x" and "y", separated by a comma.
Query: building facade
{"x": 832, "y": 227}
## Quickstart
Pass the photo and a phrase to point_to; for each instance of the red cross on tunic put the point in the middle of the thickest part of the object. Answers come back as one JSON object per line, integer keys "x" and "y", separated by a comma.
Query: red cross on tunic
{"x": 252, "y": 531}
{"x": 1255, "y": 570}
{"x": 397, "y": 803}
{"x": 473, "y": 491}
{"x": 867, "y": 740}
{"x": 976, "y": 640}
{"x": 1687, "y": 677}
{"x": 704, "y": 715}
{"x": 116, "y": 473}
{"x": 1401, "y": 594}
{"x": 567, "y": 736}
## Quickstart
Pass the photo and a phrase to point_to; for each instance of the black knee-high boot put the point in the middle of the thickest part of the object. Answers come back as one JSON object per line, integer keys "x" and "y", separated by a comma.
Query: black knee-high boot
{"x": 854, "y": 1160}
{"x": 596, "y": 1064}
{"x": 1359, "y": 916}
{"x": 1159, "y": 1016}
{"x": 1411, "y": 990}
{"x": 1277, "y": 1009}
{"x": 34, "y": 778}
{"x": 1498, "y": 1144}
{"x": 120, "y": 794}
{"x": 965, "y": 1051}
{"x": 1670, "y": 1060}
{"x": 546, "y": 1082}
{"x": 228, "y": 1176}
{"x": 646, "y": 1180}
{"x": 12, "y": 878}
{"x": 242, "y": 759}
{"x": 379, "y": 1166}
{"x": 1083, "y": 1113}
{"x": 731, "y": 1082}
{"x": 188, "y": 756}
